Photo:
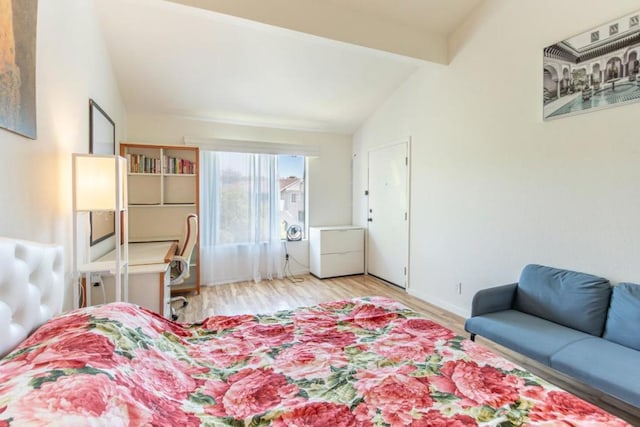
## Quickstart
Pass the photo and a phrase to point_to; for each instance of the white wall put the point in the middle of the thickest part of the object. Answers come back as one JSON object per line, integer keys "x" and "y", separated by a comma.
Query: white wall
{"x": 328, "y": 176}
{"x": 493, "y": 187}
{"x": 72, "y": 66}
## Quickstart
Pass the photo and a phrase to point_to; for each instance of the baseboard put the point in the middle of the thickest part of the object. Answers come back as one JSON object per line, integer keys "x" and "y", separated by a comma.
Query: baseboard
{"x": 465, "y": 313}
{"x": 298, "y": 272}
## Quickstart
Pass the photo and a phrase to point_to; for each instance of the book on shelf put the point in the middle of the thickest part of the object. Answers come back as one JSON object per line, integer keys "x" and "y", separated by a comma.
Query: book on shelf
{"x": 139, "y": 163}
{"x": 178, "y": 166}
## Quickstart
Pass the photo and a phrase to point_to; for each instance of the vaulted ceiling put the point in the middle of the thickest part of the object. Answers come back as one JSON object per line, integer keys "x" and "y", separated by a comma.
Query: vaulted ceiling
{"x": 300, "y": 64}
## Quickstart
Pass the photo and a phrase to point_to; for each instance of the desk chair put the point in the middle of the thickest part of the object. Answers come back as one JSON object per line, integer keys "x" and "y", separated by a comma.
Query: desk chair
{"x": 180, "y": 270}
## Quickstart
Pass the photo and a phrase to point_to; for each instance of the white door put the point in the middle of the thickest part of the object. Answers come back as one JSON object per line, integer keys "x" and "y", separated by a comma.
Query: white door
{"x": 388, "y": 226}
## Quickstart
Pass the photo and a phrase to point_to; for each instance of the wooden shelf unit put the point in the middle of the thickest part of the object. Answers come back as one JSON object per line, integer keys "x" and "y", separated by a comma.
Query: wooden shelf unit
{"x": 161, "y": 194}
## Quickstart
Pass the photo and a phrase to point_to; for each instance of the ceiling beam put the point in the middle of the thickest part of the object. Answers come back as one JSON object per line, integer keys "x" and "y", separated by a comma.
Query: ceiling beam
{"x": 327, "y": 20}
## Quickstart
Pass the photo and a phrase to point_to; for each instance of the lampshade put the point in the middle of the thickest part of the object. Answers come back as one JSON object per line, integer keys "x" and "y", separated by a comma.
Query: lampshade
{"x": 99, "y": 182}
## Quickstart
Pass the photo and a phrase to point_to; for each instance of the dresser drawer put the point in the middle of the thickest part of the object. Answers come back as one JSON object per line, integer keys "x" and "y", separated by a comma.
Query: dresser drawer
{"x": 339, "y": 241}
{"x": 340, "y": 264}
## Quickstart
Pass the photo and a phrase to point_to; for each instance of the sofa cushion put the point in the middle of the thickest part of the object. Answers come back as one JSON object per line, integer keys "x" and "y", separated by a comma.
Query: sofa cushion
{"x": 534, "y": 337}
{"x": 623, "y": 319}
{"x": 573, "y": 299}
{"x": 605, "y": 365}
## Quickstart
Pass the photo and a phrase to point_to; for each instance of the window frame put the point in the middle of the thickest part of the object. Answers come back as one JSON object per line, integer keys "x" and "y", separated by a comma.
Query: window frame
{"x": 305, "y": 228}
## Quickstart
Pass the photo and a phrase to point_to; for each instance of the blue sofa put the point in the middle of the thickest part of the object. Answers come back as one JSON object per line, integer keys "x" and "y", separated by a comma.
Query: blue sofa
{"x": 573, "y": 322}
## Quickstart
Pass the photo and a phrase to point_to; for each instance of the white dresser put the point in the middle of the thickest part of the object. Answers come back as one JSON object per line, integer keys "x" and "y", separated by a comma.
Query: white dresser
{"x": 336, "y": 251}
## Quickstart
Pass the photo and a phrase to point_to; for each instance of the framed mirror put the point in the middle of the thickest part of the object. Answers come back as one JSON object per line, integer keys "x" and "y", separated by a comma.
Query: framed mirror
{"x": 102, "y": 140}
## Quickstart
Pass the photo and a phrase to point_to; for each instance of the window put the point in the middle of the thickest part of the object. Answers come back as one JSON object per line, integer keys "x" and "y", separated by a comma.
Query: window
{"x": 291, "y": 174}
{"x": 243, "y": 198}
{"x": 240, "y": 217}
{"x": 240, "y": 198}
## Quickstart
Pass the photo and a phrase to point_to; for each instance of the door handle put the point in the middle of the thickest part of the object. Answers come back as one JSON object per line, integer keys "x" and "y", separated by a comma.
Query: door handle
{"x": 370, "y": 219}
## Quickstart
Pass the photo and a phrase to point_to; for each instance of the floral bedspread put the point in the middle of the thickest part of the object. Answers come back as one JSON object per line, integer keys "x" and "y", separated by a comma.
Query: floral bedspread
{"x": 361, "y": 362}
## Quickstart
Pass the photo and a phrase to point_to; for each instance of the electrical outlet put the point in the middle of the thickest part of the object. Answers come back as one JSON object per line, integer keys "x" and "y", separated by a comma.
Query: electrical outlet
{"x": 96, "y": 280}
{"x": 460, "y": 288}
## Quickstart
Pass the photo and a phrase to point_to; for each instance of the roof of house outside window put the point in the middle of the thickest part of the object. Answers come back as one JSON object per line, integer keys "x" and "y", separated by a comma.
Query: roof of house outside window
{"x": 287, "y": 183}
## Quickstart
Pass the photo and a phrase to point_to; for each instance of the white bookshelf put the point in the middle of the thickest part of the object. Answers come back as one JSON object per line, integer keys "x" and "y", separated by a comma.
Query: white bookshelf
{"x": 163, "y": 189}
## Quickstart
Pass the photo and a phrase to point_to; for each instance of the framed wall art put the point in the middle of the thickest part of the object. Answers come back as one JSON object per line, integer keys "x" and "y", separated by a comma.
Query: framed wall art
{"x": 593, "y": 70}
{"x": 18, "y": 19}
{"x": 102, "y": 140}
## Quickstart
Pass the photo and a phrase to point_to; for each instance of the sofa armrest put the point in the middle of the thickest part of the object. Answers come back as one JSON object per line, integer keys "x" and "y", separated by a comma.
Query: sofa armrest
{"x": 493, "y": 299}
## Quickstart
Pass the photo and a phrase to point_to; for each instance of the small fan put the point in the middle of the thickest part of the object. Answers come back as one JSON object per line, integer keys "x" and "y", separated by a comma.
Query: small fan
{"x": 294, "y": 232}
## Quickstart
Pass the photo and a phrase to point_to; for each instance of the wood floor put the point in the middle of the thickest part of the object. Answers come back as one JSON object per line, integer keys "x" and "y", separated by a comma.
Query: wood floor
{"x": 274, "y": 295}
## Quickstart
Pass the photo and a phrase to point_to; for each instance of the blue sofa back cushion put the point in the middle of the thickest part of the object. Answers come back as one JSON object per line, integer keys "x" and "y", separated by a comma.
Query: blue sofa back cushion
{"x": 577, "y": 300}
{"x": 624, "y": 316}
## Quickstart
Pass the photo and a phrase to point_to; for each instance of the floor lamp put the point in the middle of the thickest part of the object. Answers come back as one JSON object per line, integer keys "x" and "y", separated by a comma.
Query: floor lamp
{"x": 100, "y": 184}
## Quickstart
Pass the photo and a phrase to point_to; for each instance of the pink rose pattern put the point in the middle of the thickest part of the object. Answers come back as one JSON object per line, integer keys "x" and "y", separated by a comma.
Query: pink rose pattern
{"x": 354, "y": 363}
{"x": 478, "y": 385}
{"x": 395, "y": 392}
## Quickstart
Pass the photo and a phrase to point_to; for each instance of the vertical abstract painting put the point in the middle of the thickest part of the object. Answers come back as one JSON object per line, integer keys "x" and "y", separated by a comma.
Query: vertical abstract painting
{"x": 18, "y": 19}
{"x": 597, "y": 69}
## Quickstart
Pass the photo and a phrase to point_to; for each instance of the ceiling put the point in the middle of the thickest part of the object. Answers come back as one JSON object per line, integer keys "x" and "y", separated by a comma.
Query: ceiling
{"x": 439, "y": 17}
{"x": 238, "y": 61}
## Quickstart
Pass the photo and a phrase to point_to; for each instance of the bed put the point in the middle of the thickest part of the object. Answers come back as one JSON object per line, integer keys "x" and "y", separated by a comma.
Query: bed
{"x": 360, "y": 362}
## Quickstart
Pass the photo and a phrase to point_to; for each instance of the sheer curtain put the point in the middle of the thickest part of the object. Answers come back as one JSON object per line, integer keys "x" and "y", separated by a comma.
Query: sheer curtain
{"x": 239, "y": 217}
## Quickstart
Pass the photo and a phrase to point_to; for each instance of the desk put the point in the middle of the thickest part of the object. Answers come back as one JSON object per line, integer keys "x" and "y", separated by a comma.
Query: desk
{"x": 149, "y": 275}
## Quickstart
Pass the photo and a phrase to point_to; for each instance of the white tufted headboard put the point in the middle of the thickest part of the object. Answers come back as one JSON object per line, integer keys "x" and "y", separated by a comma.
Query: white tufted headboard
{"x": 31, "y": 288}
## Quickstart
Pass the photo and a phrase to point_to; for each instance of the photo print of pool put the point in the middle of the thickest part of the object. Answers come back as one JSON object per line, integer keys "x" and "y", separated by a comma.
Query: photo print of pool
{"x": 593, "y": 70}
